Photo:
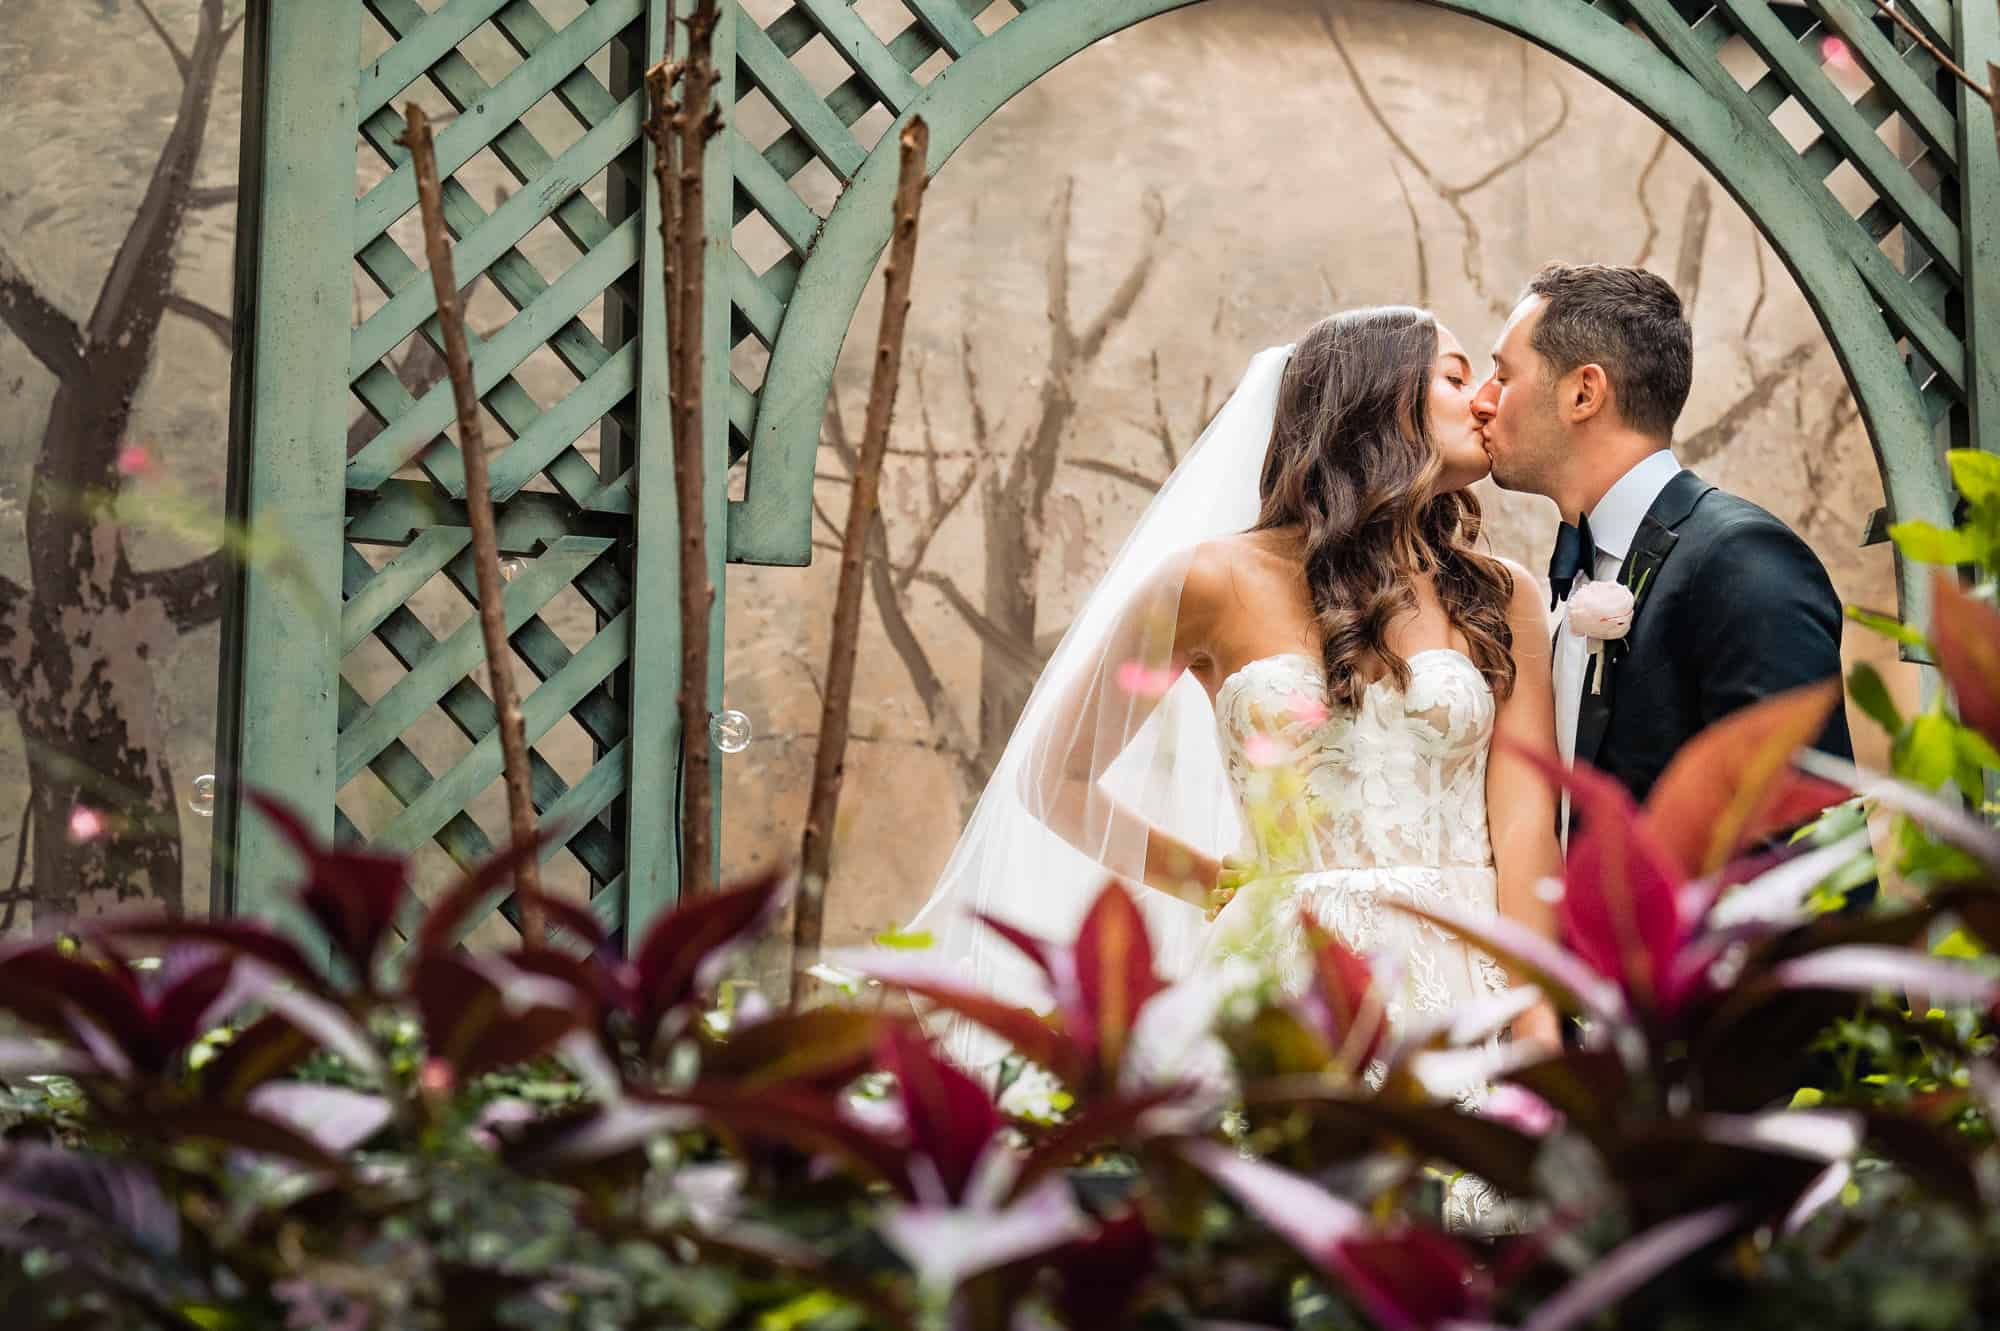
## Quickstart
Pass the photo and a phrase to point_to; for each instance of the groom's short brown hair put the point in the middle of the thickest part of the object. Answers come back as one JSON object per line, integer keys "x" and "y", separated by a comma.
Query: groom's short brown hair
{"x": 1626, "y": 320}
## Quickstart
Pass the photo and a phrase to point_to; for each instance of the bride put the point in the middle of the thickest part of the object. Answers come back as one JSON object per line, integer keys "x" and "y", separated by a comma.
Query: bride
{"x": 1284, "y": 693}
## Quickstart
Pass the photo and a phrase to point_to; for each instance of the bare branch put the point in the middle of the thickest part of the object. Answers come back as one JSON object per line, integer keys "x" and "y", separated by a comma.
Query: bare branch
{"x": 229, "y": 28}
{"x": 1005, "y": 647}
{"x": 479, "y": 512}
{"x": 213, "y": 196}
{"x": 1526, "y": 150}
{"x": 1694, "y": 242}
{"x": 1122, "y": 300}
{"x": 1416, "y": 234}
{"x": 1646, "y": 205}
{"x": 49, "y": 334}
{"x": 1131, "y": 477}
{"x": 191, "y": 593}
{"x": 1890, "y": 8}
{"x": 1453, "y": 195}
{"x": 1717, "y": 436}
{"x": 180, "y": 57}
{"x": 1756, "y": 306}
{"x": 215, "y": 321}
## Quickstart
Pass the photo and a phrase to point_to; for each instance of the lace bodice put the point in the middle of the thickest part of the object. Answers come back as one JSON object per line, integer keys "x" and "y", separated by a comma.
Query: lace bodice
{"x": 1398, "y": 782}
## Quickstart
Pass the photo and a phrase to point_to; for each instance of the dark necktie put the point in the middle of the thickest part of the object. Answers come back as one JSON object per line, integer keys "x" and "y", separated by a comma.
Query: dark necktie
{"x": 1575, "y": 553}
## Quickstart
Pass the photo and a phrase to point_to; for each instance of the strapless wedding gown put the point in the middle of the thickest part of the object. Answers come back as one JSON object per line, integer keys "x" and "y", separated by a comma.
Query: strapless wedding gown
{"x": 1346, "y": 811}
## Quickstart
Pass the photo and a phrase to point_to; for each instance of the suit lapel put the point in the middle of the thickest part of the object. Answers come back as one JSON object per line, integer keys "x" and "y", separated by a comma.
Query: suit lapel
{"x": 1654, "y": 541}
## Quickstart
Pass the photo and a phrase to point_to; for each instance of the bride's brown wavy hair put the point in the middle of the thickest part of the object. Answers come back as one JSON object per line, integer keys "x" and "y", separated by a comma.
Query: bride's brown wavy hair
{"x": 1353, "y": 465}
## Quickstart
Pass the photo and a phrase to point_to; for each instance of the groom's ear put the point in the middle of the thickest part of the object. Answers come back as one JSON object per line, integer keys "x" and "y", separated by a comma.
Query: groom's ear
{"x": 1585, "y": 392}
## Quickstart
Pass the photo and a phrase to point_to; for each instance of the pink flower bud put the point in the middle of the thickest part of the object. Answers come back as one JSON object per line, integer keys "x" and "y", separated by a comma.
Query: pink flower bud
{"x": 1306, "y": 708}
{"x": 1262, "y": 750}
{"x": 1144, "y": 681}
{"x": 85, "y": 823}
{"x": 134, "y": 460}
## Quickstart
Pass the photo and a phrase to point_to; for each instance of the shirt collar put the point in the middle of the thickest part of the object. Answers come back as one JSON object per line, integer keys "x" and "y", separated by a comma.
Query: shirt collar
{"x": 1615, "y": 521}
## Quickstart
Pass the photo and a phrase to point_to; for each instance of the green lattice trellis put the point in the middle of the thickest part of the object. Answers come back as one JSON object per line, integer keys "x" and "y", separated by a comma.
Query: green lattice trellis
{"x": 1907, "y": 288}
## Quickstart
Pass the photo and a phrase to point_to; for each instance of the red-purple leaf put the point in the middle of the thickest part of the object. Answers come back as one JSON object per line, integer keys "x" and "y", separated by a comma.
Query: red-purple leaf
{"x": 1305, "y": 1215}
{"x": 951, "y": 1119}
{"x": 449, "y": 917}
{"x": 50, "y": 990}
{"x": 1098, "y": 1122}
{"x": 482, "y": 1014}
{"x": 1098, "y": 1278}
{"x": 1352, "y": 1010}
{"x": 1632, "y": 1265}
{"x": 245, "y": 937}
{"x": 1620, "y": 909}
{"x": 187, "y": 1008}
{"x": 232, "y": 1128}
{"x": 268, "y": 1047}
{"x": 1412, "y": 1279}
{"x": 823, "y": 1047}
{"x": 946, "y": 1244}
{"x": 353, "y": 894}
{"x": 1559, "y": 975}
{"x": 1114, "y": 973}
{"x": 1027, "y": 1031}
{"x": 804, "y": 1119}
{"x": 337, "y": 1118}
{"x": 676, "y": 954}
{"x": 1734, "y": 783}
{"x": 1966, "y": 634}
{"x": 1865, "y": 969}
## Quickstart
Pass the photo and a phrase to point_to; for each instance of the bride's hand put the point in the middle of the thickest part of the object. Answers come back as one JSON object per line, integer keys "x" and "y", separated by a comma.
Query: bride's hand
{"x": 1540, "y": 1026}
{"x": 1229, "y": 878}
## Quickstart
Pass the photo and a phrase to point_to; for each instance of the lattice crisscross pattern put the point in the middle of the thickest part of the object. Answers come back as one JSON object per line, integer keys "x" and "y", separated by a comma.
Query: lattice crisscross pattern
{"x": 818, "y": 82}
{"x": 553, "y": 324}
{"x": 1866, "y": 121}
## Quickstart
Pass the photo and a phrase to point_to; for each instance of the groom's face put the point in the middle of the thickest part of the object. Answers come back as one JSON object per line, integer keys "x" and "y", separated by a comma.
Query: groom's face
{"x": 1517, "y": 408}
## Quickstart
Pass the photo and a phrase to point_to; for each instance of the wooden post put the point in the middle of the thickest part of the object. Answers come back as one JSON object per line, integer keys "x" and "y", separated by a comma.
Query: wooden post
{"x": 680, "y": 130}
{"x": 829, "y": 762}
{"x": 479, "y": 513}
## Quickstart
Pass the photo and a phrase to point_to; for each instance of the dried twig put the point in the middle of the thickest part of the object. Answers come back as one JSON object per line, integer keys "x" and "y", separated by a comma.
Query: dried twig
{"x": 479, "y": 512}
{"x": 816, "y": 847}
{"x": 1991, "y": 93}
{"x": 680, "y": 130}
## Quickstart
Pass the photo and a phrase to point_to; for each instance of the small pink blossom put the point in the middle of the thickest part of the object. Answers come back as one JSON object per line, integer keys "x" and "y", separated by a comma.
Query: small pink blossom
{"x": 436, "y": 1077}
{"x": 85, "y": 823}
{"x": 1521, "y": 1109}
{"x": 1601, "y": 610}
{"x": 1306, "y": 708}
{"x": 1262, "y": 750}
{"x": 1144, "y": 681}
{"x": 134, "y": 460}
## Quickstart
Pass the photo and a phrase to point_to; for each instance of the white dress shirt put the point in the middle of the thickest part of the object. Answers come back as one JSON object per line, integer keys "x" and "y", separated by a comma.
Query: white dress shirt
{"x": 1614, "y": 524}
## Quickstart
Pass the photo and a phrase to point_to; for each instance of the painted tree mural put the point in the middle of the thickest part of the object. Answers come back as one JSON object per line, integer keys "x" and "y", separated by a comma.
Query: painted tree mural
{"x": 79, "y": 645}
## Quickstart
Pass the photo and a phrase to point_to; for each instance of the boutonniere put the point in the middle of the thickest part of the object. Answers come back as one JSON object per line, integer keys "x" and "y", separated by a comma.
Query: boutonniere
{"x": 1602, "y": 612}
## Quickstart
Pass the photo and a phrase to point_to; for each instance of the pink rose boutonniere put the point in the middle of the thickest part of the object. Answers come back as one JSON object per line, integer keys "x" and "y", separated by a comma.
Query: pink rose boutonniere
{"x": 1602, "y": 612}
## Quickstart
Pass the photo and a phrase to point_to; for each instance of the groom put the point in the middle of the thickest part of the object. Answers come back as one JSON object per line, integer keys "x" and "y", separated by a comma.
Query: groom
{"x": 1589, "y": 376}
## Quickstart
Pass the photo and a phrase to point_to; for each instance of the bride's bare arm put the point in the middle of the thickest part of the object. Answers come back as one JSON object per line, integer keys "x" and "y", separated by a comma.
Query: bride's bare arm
{"x": 1158, "y": 634}
{"x": 1520, "y": 805}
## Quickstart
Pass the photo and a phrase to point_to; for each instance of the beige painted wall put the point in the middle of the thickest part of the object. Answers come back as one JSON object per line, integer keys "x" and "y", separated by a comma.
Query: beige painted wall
{"x": 1237, "y": 168}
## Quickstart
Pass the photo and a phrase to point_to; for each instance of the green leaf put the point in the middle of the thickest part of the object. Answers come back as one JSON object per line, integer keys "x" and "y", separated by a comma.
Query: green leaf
{"x": 1976, "y": 473}
{"x": 1887, "y": 625}
{"x": 1871, "y": 695}
{"x": 914, "y": 941}
{"x": 1926, "y": 753}
{"x": 1959, "y": 944}
{"x": 1930, "y": 544}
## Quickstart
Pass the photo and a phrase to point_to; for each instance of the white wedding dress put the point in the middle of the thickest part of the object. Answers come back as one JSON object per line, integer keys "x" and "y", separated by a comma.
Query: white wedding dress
{"x": 1347, "y": 811}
